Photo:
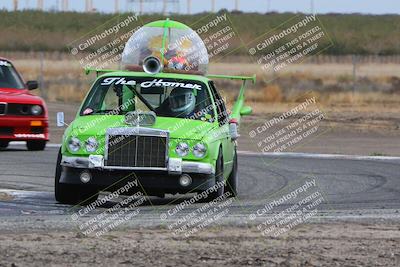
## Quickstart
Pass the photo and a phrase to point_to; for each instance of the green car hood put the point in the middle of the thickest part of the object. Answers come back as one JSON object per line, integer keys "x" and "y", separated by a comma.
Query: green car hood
{"x": 97, "y": 125}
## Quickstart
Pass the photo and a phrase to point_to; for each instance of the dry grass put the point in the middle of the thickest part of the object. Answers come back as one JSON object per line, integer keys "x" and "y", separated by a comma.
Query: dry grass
{"x": 308, "y": 70}
{"x": 65, "y": 81}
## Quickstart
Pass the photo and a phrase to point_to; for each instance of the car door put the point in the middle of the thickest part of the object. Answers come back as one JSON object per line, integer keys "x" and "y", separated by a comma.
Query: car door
{"x": 223, "y": 121}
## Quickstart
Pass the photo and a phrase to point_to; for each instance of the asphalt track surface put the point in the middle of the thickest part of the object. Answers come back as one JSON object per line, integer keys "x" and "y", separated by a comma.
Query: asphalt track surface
{"x": 352, "y": 189}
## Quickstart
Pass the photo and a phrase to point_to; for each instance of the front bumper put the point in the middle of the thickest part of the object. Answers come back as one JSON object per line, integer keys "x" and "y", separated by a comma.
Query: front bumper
{"x": 23, "y": 128}
{"x": 152, "y": 181}
{"x": 175, "y": 166}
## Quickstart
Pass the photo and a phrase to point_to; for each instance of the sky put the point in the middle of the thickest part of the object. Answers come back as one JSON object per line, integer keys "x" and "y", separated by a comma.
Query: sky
{"x": 262, "y": 6}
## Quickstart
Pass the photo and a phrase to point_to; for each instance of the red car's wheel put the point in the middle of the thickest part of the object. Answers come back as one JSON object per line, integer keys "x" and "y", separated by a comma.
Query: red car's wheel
{"x": 36, "y": 145}
{"x": 4, "y": 144}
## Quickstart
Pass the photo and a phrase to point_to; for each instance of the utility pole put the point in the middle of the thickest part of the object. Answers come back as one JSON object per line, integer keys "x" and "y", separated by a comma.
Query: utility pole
{"x": 189, "y": 6}
{"x": 89, "y": 5}
{"x": 116, "y": 6}
{"x": 65, "y": 5}
{"x": 312, "y": 7}
{"x": 40, "y": 4}
{"x": 213, "y": 6}
{"x": 15, "y": 5}
{"x": 236, "y": 4}
{"x": 164, "y": 9}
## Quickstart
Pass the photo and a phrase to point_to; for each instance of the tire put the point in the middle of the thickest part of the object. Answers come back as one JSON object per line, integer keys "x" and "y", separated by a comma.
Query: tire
{"x": 232, "y": 182}
{"x": 4, "y": 144}
{"x": 36, "y": 145}
{"x": 72, "y": 194}
{"x": 219, "y": 178}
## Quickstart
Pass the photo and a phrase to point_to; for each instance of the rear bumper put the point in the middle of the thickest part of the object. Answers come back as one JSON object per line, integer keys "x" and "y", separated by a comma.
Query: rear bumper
{"x": 23, "y": 128}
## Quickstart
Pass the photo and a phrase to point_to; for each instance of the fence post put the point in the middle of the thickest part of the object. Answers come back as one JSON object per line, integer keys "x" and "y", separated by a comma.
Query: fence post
{"x": 354, "y": 61}
{"x": 41, "y": 78}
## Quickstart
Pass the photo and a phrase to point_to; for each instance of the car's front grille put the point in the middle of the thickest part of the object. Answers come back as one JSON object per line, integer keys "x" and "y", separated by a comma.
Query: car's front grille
{"x": 6, "y": 131}
{"x": 3, "y": 108}
{"x": 137, "y": 151}
{"x": 18, "y": 109}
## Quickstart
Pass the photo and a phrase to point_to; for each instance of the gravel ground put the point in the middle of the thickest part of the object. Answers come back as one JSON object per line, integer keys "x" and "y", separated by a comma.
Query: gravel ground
{"x": 307, "y": 245}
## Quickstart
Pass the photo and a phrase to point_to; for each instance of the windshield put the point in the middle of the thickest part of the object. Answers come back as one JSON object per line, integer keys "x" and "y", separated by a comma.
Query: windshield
{"x": 166, "y": 97}
{"x": 9, "y": 77}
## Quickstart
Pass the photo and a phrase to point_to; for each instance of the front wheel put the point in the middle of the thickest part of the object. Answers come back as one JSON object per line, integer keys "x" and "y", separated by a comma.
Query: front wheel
{"x": 72, "y": 194}
{"x": 219, "y": 178}
{"x": 232, "y": 182}
{"x": 36, "y": 145}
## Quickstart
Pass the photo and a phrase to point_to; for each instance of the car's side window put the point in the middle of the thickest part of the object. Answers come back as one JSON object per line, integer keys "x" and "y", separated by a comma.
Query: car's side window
{"x": 221, "y": 109}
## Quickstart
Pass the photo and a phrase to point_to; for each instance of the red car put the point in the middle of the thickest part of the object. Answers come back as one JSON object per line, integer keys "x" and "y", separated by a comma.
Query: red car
{"x": 23, "y": 116}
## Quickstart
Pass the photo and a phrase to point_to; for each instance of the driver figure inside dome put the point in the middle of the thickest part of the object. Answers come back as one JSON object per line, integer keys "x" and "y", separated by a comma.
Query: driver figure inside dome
{"x": 180, "y": 103}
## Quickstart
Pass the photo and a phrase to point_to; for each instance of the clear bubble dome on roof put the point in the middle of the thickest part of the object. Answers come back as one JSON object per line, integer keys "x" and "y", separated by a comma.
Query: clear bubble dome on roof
{"x": 178, "y": 47}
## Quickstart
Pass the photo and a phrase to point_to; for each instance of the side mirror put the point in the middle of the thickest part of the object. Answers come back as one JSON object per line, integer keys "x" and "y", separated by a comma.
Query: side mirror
{"x": 233, "y": 129}
{"x": 60, "y": 119}
{"x": 246, "y": 110}
{"x": 32, "y": 85}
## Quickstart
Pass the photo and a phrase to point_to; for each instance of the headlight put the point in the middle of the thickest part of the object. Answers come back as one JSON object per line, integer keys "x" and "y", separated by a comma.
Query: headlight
{"x": 182, "y": 149}
{"x": 91, "y": 144}
{"x": 74, "y": 144}
{"x": 199, "y": 150}
{"x": 36, "y": 110}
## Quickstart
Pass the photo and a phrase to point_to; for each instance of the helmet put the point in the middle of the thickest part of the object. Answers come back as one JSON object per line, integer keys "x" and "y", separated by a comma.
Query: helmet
{"x": 182, "y": 101}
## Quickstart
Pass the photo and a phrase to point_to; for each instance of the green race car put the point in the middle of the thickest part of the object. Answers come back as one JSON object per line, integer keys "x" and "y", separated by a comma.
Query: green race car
{"x": 169, "y": 132}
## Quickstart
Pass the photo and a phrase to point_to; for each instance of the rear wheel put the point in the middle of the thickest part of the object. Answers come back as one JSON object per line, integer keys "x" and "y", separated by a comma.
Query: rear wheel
{"x": 72, "y": 194}
{"x": 36, "y": 145}
{"x": 219, "y": 178}
{"x": 4, "y": 144}
{"x": 232, "y": 182}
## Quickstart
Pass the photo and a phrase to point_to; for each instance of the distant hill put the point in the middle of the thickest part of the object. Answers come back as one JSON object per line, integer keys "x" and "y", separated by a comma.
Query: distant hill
{"x": 351, "y": 34}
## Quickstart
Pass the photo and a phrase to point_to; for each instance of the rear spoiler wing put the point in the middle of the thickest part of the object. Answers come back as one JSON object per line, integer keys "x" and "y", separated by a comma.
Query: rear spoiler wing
{"x": 98, "y": 71}
{"x": 230, "y": 77}
{"x": 238, "y": 108}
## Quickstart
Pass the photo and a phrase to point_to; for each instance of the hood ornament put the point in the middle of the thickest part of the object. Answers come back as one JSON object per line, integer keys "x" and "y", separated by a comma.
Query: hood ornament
{"x": 140, "y": 118}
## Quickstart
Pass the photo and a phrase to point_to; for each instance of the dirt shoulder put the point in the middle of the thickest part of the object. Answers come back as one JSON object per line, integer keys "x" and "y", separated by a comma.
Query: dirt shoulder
{"x": 330, "y": 244}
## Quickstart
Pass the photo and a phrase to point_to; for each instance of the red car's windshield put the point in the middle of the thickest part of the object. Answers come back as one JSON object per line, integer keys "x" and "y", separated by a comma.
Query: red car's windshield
{"x": 9, "y": 77}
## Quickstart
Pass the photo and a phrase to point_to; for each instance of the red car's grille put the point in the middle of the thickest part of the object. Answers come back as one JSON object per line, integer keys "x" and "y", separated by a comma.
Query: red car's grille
{"x": 19, "y": 109}
{"x": 6, "y": 131}
{"x": 3, "y": 108}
